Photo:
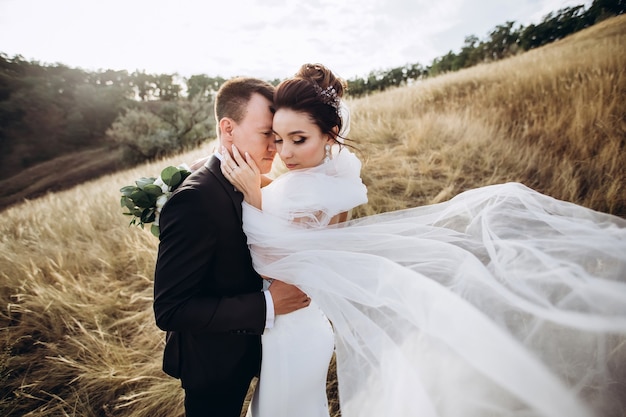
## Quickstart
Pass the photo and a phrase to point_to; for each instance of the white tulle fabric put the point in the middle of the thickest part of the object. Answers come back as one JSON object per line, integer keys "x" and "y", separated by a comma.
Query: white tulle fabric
{"x": 344, "y": 115}
{"x": 499, "y": 302}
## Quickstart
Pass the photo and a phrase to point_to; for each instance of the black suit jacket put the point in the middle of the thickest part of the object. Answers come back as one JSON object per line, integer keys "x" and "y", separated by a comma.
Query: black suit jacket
{"x": 207, "y": 295}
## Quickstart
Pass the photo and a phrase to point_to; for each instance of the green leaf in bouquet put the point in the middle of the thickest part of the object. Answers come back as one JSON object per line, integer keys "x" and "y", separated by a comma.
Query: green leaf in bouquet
{"x": 137, "y": 211}
{"x": 155, "y": 230}
{"x": 174, "y": 176}
{"x": 148, "y": 215}
{"x": 143, "y": 181}
{"x": 125, "y": 201}
{"x": 183, "y": 174}
{"x": 170, "y": 176}
{"x": 127, "y": 190}
{"x": 143, "y": 199}
{"x": 176, "y": 180}
{"x": 152, "y": 189}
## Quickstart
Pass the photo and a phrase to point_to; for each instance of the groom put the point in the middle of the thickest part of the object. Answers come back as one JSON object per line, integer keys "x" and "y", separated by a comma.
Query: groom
{"x": 207, "y": 295}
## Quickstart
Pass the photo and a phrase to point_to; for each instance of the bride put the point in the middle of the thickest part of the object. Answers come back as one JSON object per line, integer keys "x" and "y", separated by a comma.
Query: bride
{"x": 499, "y": 302}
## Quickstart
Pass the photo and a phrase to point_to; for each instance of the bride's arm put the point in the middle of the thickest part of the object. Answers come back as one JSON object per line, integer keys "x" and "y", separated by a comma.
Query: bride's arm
{"x": 244, "y": 175}
{"x": 339, "y": 218}
{"x": 319, "y": 219}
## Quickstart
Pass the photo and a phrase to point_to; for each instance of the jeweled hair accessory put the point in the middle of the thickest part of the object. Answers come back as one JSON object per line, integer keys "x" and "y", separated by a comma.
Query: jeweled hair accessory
{"x": 328, "y": 96}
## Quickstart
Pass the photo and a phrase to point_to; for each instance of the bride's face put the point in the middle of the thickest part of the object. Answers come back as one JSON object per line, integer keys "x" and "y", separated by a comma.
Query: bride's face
{"x": 299, "y": 142}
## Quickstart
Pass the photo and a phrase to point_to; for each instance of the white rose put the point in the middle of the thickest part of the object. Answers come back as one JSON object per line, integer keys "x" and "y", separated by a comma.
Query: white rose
{"x": 160, "y": 202}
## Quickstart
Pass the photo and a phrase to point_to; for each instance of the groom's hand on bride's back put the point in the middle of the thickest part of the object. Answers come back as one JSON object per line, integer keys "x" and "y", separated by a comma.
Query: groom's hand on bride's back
{"x": 287, "y": 297}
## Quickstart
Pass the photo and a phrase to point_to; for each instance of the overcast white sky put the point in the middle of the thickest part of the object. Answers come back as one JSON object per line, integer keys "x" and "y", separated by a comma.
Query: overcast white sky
{"x": 262, "y": 38}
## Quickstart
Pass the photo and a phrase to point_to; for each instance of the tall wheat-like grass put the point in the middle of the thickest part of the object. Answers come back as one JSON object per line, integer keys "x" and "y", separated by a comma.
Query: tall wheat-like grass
{"x": 77, "y": 333}
{"x": 553, "y": 118}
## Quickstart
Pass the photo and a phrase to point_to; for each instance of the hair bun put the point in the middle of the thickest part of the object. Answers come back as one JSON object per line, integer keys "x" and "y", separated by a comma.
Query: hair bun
{"x": 323, "y": 77}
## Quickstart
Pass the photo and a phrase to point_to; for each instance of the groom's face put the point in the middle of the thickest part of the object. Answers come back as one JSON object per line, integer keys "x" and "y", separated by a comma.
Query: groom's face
{"x": 254, "y": 133}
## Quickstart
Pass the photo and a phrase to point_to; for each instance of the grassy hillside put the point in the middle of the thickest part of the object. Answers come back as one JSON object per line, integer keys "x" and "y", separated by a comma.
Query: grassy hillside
{"x": 77, "y": 334}
{"x": 59, "y": 174}
{"x": 553, "y": 118}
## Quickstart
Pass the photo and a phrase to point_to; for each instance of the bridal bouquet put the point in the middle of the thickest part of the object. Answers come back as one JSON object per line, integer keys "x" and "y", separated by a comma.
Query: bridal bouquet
{"x": 146, "y": 198}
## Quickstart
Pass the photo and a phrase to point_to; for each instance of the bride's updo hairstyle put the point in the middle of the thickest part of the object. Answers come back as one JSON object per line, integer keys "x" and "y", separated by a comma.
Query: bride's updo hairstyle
{"x": 316, "y": 91}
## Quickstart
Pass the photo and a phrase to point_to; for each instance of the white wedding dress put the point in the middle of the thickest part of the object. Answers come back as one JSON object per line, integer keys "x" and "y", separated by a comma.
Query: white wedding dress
{"x": 294, "y": 367}
{"x": 499, "y": 302}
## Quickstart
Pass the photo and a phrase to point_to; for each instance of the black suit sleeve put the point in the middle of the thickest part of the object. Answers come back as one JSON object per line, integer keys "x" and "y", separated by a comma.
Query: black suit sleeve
{"x": 186, "y": 287}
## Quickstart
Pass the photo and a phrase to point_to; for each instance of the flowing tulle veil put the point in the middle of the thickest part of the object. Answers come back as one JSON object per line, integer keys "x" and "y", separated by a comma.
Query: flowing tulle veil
{"x": 499, "y": 302}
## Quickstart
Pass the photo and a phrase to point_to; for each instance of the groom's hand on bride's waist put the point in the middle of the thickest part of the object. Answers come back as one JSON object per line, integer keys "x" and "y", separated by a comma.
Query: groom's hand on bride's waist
{"x": 287, "y": 298}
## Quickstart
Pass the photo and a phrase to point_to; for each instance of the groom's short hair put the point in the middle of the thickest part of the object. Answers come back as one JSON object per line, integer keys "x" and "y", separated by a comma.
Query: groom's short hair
{"x": 234, "y": 95}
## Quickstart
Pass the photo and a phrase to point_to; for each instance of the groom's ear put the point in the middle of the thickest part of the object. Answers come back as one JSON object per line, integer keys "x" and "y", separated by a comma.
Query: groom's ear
{"x": 226, "y": 128}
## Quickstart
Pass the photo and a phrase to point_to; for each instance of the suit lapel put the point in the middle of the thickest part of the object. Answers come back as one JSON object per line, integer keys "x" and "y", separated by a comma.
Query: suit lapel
{"x": 213, "y": 164}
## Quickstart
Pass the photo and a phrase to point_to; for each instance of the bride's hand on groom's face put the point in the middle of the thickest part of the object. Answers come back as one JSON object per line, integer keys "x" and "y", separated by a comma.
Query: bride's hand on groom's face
{"x": 242, "y": 173}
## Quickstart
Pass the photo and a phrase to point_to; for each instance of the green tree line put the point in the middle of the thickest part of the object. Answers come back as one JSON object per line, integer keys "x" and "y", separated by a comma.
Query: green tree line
{"x": 503, "y": 41}
{"x": 51, "y": 110}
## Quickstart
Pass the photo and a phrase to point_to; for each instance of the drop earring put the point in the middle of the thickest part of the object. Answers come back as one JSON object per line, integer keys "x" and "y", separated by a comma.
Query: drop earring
{"x": 328, "y": 157}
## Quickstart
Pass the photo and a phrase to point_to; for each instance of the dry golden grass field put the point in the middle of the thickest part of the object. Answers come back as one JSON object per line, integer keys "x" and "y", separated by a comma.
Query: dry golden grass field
{"x": 77, "y": 334}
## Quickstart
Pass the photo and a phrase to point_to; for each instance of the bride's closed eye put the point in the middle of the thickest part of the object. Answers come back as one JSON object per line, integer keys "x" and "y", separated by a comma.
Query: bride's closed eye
{"x": 299, "y": 140}
{"x": 296, "y": 141}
